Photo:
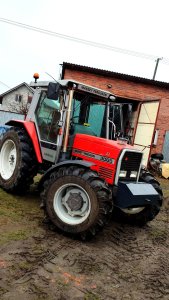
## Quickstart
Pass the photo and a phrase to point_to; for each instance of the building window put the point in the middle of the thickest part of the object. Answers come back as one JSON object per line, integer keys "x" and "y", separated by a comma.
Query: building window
{"x": 1, "y": 100}
{"x": 29, "y": 99}
{"x": 18, "y": 98}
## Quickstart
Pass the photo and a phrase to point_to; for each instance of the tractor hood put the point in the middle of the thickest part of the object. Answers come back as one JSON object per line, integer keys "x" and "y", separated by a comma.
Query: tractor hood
{"x": 93, "y": 146}
{"x": 106, "y": 155}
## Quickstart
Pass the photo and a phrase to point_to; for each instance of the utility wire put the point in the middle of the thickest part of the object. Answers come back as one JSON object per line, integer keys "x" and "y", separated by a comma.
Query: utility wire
{"x": 79, "y": 40}
{"x": 4, "y": 84}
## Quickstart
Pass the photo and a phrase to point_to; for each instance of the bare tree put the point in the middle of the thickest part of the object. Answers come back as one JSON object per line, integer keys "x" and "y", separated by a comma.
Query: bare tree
{"x": 21, "y": 107}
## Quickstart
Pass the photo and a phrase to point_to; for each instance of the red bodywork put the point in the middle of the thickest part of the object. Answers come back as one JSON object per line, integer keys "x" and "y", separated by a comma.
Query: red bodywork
{"x": 31, "y": 130}
{"x": 103, "y": 153}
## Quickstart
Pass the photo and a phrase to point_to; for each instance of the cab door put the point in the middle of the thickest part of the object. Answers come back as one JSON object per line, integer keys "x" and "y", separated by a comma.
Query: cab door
{"x": 47, "y": 118}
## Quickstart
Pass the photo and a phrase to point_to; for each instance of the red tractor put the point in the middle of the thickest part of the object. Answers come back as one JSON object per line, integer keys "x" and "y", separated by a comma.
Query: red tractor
{"x": 67, "y": 135}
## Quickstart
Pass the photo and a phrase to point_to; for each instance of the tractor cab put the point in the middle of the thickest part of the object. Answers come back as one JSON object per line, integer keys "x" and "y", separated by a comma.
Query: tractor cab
{"x": 63, "y": 109}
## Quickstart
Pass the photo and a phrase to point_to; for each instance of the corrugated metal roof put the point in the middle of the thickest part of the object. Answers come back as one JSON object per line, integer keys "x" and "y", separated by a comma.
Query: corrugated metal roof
{"x": 112, "y": 74}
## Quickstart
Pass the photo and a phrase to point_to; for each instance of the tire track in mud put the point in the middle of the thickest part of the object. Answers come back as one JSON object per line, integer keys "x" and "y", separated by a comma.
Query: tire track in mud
{"x": 157, "y": 280}
{"x": 123, "y": 262}
{"x": 137, "y": 254}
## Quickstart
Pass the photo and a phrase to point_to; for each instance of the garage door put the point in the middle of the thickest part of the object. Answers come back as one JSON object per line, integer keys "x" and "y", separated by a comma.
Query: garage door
{"x": 145, "y": 128}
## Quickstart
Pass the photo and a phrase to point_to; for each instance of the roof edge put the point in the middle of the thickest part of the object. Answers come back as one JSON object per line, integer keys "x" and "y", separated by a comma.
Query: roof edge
{"x": 16, "y": 87}
{"x": 113, "y": 74}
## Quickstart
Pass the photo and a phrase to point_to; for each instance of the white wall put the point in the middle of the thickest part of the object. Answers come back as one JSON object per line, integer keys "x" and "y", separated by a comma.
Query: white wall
{"x": 6, "y": 116}
{"x": 10, "y": 104}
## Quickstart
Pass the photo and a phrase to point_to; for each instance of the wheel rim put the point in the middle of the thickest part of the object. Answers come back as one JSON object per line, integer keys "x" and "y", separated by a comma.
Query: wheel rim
{"x": 8, "y": 159}
{"x": 133, "y": 210}
{"x": 72, "y": 204}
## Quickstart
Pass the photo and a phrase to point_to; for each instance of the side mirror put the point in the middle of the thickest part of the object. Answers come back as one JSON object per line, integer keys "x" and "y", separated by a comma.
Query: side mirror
{"x": 53, "y": 90}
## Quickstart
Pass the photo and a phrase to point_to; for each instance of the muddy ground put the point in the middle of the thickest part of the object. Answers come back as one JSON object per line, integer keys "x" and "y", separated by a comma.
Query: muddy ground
{"x": 122, "y": 263}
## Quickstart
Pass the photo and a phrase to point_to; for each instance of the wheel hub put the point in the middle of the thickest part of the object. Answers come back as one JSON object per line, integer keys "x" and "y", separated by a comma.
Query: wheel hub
{"x": 11, "y": 159}
{"x": 75, "y": 201}
{"x": 72, "y": 203}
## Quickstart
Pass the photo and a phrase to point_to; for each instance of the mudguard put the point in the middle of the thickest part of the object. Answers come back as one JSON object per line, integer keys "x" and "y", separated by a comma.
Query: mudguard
{"x": 63, "y": 164}
{"x": 31, "y": 130}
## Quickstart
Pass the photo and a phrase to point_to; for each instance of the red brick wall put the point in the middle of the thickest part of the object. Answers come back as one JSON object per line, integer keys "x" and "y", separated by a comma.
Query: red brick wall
{"x": 131, "y": 90}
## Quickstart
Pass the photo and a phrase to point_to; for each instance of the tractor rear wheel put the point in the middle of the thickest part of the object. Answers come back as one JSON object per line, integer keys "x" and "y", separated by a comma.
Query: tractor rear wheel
{"x": 18, "y": 164}
{"x": 142, "y": 215}
{"x": 77, "y": 201}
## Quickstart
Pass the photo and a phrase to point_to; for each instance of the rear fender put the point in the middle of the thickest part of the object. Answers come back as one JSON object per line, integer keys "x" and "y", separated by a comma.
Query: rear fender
{"x": 66, "y": 163}
{"x": 31, "y": 130}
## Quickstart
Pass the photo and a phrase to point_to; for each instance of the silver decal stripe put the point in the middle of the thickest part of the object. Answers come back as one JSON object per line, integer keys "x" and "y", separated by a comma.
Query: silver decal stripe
{"x": 102, "y": 158}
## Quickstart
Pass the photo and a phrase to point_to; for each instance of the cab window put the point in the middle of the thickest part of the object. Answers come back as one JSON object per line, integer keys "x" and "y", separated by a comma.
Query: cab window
{"x": 47, "y": 117}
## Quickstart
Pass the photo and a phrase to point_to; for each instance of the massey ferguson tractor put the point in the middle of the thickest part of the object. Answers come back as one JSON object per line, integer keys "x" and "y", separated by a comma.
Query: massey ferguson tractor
{"x": 87, "y": 176}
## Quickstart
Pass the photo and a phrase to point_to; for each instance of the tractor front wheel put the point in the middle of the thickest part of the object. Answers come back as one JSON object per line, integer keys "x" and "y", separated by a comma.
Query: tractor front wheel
{"x": 77, "y": 201}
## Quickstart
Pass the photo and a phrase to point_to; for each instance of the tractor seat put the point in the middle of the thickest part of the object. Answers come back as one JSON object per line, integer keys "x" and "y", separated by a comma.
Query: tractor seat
{"x": 79, "y": 128}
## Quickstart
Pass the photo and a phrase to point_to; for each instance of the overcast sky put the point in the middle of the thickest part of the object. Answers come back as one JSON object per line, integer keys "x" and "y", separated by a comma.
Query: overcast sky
{"x": 140, "y": 26}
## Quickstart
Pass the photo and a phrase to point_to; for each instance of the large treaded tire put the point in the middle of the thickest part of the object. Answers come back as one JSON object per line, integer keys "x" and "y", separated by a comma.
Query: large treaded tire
{"x": 26, "y": 163}
{"x": 96, "y": 190}
{"x": 149, "y": 212}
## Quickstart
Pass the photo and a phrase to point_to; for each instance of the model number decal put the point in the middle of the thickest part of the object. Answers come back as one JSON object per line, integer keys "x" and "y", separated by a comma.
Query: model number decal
{"x": 107, "y": 159}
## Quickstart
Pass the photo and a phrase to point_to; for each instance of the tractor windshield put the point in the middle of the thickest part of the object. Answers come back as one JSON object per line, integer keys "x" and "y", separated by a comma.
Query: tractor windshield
{"x": 88, "y": 115}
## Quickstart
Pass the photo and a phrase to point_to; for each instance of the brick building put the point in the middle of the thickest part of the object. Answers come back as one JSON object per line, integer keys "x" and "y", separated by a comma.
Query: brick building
{"x": 150, "y": 99}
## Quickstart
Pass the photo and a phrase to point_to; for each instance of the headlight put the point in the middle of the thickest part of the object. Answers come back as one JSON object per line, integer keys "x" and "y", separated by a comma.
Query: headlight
{"x": 133, "y": 174}
{"x": 122, "y": 173}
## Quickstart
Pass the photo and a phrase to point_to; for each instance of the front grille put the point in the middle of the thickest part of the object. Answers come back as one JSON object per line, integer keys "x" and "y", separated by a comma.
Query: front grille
{"x": 130, "y": 162}
{"x": 105, "y": 173}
